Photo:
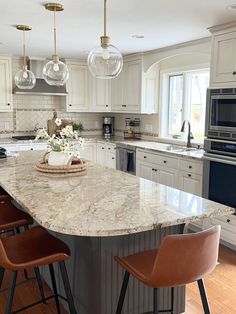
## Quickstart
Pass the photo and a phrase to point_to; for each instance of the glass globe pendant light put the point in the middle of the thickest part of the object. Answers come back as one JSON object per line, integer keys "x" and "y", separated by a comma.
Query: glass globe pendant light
{"x": 24, "y": 79}
{"x": 105, "y": 61}
{"x": 55, "y": 72}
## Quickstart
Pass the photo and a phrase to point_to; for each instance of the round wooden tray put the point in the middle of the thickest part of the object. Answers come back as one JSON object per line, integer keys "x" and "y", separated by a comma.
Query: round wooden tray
{"x": 45, "y": 167}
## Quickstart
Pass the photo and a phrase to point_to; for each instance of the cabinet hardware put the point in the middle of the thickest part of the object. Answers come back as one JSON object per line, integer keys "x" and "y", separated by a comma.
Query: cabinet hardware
{"x": 106, "y": 106}
{"x": 70, "y": 105}
{"x": 144, "y": 157}
{"x": 109, "y": 148}
{"x": 103, "y": 148}
{"x": 153, "y": 169}
{"x": 189, "y": 175}
{"x": 165, "y": 161}
{"x": 123, "y": 105}
{"x": 234, "y": 72}
{"x": 190, "y": 167}
{"x": 8, "y": 104}
{"x": 113, "y": 157}
{"x": 228, "y": 220}
{"x": 31, "y": 149}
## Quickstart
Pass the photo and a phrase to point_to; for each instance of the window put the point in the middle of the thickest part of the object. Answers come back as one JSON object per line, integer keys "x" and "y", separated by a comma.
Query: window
{"x": 186, "y": 100}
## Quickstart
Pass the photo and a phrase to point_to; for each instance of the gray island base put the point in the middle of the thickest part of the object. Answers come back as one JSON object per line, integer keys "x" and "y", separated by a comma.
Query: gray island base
{"x": 96, "y": 279}
{"x": 101, "y": 214}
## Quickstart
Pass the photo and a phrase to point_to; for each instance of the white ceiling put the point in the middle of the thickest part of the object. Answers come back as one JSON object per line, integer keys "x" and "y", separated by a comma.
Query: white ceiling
{"x": 162, "y": 22}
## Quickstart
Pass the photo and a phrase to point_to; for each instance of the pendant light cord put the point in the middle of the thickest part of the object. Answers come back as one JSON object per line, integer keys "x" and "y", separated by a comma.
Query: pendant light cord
{"x": 55, "y": 33}
{"x": 24, "y": 50}
{"x": 105, "y": 17}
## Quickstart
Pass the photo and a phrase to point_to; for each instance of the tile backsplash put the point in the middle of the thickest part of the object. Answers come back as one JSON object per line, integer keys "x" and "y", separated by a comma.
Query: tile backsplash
{"x": 32, "y": 110}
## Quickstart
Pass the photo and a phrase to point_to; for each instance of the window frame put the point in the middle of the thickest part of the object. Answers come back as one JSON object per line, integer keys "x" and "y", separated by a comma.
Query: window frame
{"x": 164, "y": 95}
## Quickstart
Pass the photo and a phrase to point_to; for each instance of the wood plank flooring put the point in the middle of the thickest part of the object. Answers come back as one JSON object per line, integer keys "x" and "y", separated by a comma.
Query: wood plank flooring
{"x": 221, "y": 289}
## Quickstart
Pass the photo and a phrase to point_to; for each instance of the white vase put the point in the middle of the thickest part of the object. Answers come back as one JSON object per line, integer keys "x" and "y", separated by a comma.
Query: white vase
{"x": 59, "y": 159}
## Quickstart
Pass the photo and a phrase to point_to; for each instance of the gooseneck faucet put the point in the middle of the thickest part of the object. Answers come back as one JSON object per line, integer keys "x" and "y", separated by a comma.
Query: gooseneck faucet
{"x": 190, "y": 135}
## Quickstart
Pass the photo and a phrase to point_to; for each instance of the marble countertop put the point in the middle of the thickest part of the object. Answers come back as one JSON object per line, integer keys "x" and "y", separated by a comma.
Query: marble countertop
{"x": 142, "y": 144}
{"x": 103, "y": 202}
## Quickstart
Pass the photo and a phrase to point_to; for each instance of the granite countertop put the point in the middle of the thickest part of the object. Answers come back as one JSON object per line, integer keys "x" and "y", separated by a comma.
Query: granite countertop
{"x": 142, "y": 144}
{"x": 103, "y": 202}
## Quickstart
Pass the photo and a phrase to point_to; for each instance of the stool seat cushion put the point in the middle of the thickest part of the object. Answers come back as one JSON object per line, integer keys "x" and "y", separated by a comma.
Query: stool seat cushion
{"x": 140, "y": 265}
{"x": 11, "y": 217}
{"x": 32, "y": 248}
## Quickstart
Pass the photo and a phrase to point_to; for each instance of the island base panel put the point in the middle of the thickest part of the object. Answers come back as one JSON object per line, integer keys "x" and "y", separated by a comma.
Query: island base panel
{"x": 96, "y": 279}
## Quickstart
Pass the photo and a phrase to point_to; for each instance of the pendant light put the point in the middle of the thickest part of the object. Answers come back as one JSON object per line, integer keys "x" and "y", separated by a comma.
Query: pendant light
{"x": 55, "y": 72}
{"x": 105, "y": 61}
{"x": 24, "y": 78}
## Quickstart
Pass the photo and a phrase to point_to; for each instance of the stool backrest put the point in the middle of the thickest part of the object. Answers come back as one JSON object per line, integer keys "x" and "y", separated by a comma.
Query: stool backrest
{"x": 185, "y": 258}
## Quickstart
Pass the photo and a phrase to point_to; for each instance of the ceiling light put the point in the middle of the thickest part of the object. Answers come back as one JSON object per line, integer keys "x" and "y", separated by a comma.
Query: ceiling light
{"x": 24, "y": 79}
{"x": 138, "y": 36}
{"x": 55, "y": 72}
{"x": 105, "y": 61}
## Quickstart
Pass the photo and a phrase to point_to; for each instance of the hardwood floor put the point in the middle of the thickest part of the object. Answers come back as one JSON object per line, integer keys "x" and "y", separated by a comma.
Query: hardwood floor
{"x": 221, "y": 287}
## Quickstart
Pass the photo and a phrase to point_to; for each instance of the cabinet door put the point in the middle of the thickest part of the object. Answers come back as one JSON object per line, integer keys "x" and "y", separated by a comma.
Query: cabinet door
{"x": 110, "y": 160}
{"x": 224, "y": 58}
{"x": 117, "y": 93}
{"x": 144, "y": 170}
{"x": 101, "y": 153}
{"x": 167, "y": 177}
{"x": 190, "y": 183}
{"x": 77, "y": 88}
{"x": 89, "y": 152}
{"x": 5, "y": 85}
{"x": 100, "y": 92}
{"x": 133, "y": 86}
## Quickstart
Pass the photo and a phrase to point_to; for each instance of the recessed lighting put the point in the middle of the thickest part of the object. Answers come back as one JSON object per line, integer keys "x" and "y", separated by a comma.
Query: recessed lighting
{"x": 231, "y": 7}
{"x": 137, "y": 36}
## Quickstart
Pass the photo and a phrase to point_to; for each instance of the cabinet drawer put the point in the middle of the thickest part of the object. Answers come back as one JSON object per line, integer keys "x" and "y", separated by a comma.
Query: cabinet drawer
{"x": 159, "y": 159}
{"x": 228, "y": 223}
{"x": 190, "y": 166}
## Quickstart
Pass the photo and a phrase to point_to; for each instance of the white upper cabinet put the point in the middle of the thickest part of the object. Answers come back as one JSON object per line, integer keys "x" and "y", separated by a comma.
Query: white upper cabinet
{"x": 223, "y": 56}
{"x": 5, "y": 84}
{"x": 133, "y": 90}
{"x": 99, "y": 95}
{"x": 77, "y": 88}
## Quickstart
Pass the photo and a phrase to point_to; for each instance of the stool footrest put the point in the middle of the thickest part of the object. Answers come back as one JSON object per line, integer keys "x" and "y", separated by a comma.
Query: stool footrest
{"x": 160, "y": 311}
{"x": 32, "y": 304}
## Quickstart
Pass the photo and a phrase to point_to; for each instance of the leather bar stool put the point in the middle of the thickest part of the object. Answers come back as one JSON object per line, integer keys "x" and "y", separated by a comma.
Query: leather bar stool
{"x": 11, "y": 218}
{"x": 181, "y": 259}
{"x": 30, "y": 249}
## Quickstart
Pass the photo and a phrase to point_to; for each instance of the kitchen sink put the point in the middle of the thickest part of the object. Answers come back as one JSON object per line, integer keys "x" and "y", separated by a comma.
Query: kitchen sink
{"x": 176, "y": 148}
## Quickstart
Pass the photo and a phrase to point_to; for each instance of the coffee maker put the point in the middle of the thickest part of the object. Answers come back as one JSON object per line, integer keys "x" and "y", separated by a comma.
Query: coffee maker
{"x": 108, "y": 126}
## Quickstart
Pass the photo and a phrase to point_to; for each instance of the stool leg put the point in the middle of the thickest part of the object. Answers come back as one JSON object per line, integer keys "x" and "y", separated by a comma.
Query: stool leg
{"x": 172, "y": 300}
{"x": 202, "y": 290}
{"x": 2, "y": 271}
{"x": 67, "y": 288}
{"x": 11, "y": 293}
{"x": 123, "y": 292}
{"x": 54, "y": 285}
{"x": 155, "y": 300}
{"x": 40, "y": 285}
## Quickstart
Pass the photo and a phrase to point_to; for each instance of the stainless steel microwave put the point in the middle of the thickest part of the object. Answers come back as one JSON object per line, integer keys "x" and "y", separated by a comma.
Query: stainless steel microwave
{"x": 221, "y": 114}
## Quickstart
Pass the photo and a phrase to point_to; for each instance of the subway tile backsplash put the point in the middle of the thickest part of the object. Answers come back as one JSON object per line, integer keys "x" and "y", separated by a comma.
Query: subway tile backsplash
{"x": 33, "y": 110}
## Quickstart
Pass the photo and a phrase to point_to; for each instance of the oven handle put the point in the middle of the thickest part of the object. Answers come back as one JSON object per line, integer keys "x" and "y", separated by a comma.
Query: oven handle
{"x": 224, "y": 160}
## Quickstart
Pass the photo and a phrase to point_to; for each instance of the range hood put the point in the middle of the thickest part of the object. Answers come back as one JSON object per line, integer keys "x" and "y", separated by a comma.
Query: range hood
{"x": 41, "y": 87}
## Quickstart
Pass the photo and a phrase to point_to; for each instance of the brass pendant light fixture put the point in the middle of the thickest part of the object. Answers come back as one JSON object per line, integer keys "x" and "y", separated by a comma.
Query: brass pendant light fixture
{"x": 105, "y": 61}
{"x": 55, "y": 72}
{"x": 24, "y": 78}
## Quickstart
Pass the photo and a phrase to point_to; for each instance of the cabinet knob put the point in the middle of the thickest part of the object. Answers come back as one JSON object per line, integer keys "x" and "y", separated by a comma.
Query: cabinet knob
{"x": 109, "y": 148}
{"x": 165, "y": 161}
{"x": 106, "y": 106}
{"x": 189, "y": 175}
{"x": 70, "y": 105}
{"x": 234, "y": 72}
{"x": 103, "y": 148}
{"x": 228, "y": 220}
{"x": 144, "y": 157}
{"x": 153, "y": 169}
{"x": 9, "y": 104}
{"x": 123, "y": 105}
{"x": 190, "y": 167}
{"x": 31, "y": 148}
{"x": 113, "y": 158}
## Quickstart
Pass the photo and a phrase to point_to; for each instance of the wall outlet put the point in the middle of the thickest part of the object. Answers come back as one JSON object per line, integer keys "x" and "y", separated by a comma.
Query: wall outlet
{"x": 7, "y": 126}
{"x": 148, "y": 127}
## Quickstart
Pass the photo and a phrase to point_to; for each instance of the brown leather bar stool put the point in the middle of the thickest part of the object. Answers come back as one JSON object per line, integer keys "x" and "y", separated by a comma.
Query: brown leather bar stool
{"x": 31, "y": 249}
{"x": 181, "y": 259}
{"x": 11, "y": 218}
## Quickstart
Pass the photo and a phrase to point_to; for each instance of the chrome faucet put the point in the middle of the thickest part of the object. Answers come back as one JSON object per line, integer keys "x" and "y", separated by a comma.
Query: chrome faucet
{"x": 190, "y": 135}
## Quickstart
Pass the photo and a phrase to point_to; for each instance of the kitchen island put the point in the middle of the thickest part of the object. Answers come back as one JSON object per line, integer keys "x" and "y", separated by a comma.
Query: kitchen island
{"x": 100, "y": 214}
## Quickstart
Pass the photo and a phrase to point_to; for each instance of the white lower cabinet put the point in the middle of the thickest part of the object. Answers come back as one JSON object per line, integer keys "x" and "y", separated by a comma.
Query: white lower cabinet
{"x": 89, "y": 151}
{"x": 106, "y": 154}
{"x": 190, "y": 182}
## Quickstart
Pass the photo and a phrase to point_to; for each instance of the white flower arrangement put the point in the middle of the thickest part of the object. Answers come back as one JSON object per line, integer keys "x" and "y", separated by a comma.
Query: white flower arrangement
{"x": 63, "y": 143}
